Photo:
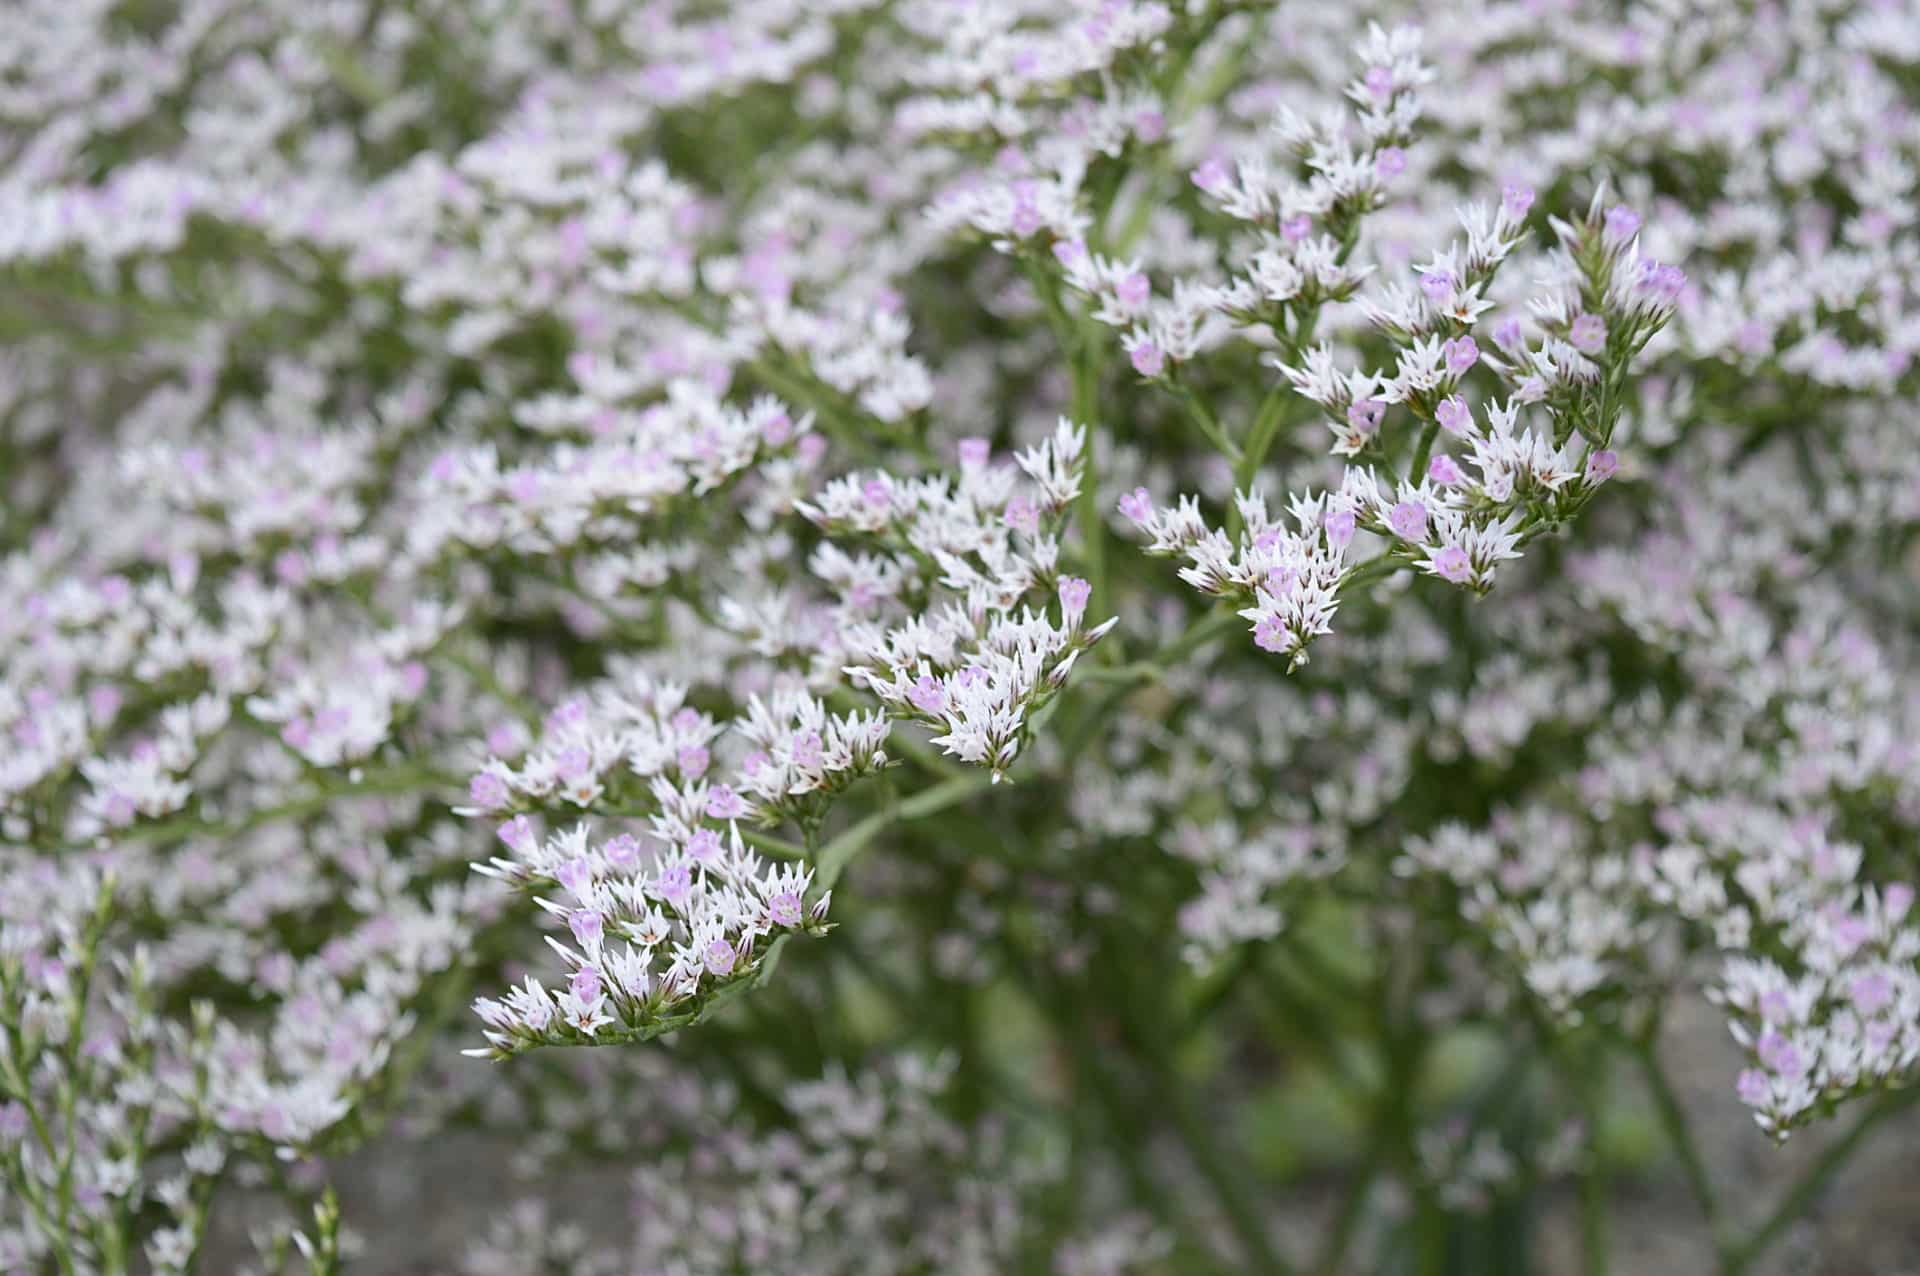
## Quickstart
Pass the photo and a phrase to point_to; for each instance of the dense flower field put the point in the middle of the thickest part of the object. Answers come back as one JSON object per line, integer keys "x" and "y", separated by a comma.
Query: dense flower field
{"x": 954, "y": 636}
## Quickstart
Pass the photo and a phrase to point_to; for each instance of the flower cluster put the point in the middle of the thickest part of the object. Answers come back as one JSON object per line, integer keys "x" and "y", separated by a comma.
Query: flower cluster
{"x": 1451, "y": 521}
{"x": 108, "y": 1113}
{"x": 510, "y": 513}
{"x": 936, "y": 1196}
{"x": 980, "y": 661}
{"x": 709, "y": 909}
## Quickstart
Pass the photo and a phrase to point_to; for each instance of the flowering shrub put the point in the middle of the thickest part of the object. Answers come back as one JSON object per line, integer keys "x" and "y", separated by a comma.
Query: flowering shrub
{"x": 541, "y": 526}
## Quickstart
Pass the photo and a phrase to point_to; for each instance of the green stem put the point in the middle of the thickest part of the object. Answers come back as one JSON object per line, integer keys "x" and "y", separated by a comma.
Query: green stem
{"x": 14, "y": 1061}
{"x": 1593, "y": 1216}
{"x": 1154, "y": 667}
{"x": 1198, "y": 635}
{"x": 1203, "y": 418}
{"x": 1147, "y": 1194}
{"x": 1229, "y": 1184}
{"x": 406, "y": 778}
{"x": 1815, "y": 1181}
{"x": 837, "y": 854}
{"x": 1083, "y": 353}
{"x": 850, "y": 425}
{"x": 1266, "y": 428}
{"x": 1292, "y": 1016}
{"x": 1587, "y": 1074}
{"x": 1423, "y": 451}
{"x": 1430, "y": 1232}
{"x": 519, "y": 705}
{"x": 779, "y": 847}
{"x": 1379, "y": 567}
{"x": 1092, "y": 519}
{"x": 1346, "y": 1225}
{"x": 1673, "y": 1121}
{"x": 1217, "y": 1161}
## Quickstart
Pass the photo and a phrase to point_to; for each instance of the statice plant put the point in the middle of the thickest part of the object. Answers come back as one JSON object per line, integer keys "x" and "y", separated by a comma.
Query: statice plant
{"x": 1061, "y": 636}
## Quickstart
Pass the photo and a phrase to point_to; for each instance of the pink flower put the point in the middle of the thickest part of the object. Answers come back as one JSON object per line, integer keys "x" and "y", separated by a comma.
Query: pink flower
{"x": 1390, "y": 162}
{"x": 585, "y": 986}
{"x": 1365, "y": 415}
{"x": 776, "y": 429}
{"x": 1211, "y": 176}
{"x": 1461, "y": 353}
{"x": 1296, "y": 227}
{"x": 1622, "y": 222}
{"x": 1601, "y": 466}
{"x": 1134, "y": 289}
{"x": 927, "y": 695}
{"x": 523, "y": 487}
{"x": 573, "y": 763}
{"x": 674, "y": 884}
{"x": 623, "y": 851}
{"x": 1588, "y": 334}
{"x": 103, "y": 702}
{"x": 1437, "y": 284}
{"x": 783, "y": 909}
{"x": 1074, "y": 593}
{"x": 587, "y": 926}
{"x": 806, "y": 749}
{"x": 1780, "y": 1056}
{"x": 487, "y": 791}
{"x": 575, "y": 876}
{"x": 1272, "y": 634}
{"x": 1339, "y": 525}
{"x": 413, "y": 680}
{"x": 517, "y": 833}
{"x": 720, "y": 957}
{"x": 703, "y": 848}
{"x": 1516, "y": 200}
{"x": 1137, "y": 506}
{"x": 974, "y": 452}
{"x": 1662, "y": 282}
{"x": 1452, "y": 564}
{"x": 1146, "y": 357}
{"x": 1454, "y": 415}
{"x": 1442, "y": 470}
{"x": 291, "y": 567}
{"x": 724, "y": 804}
{"x": 1408, "y": 520}
{"x": 1871, "y": 992}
